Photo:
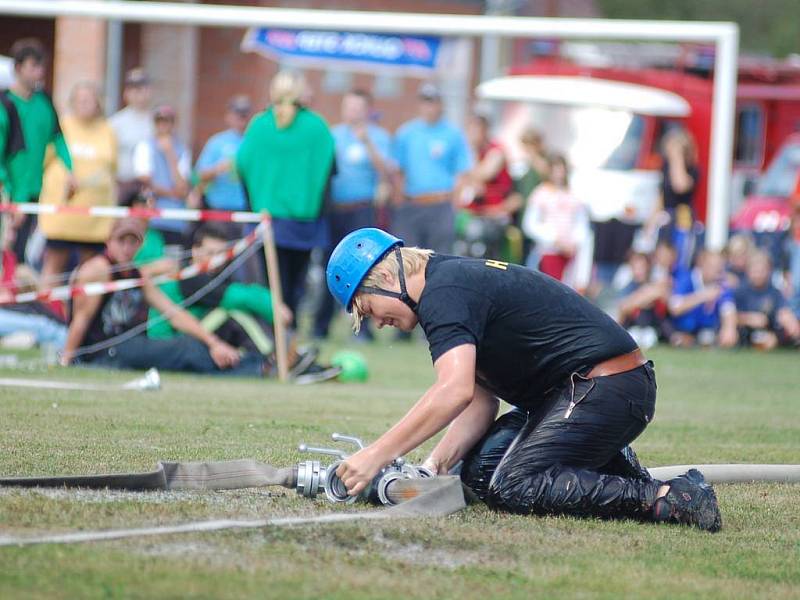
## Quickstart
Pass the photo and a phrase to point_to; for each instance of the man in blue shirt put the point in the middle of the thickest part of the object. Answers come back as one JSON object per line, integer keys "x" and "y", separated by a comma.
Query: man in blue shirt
{"x": 362, "y": 162}
{"x": 216, "y": 165}
{"x": 217, "y": 179}
{"x": 702, "y": 307}
{"x": 431, "y": 155}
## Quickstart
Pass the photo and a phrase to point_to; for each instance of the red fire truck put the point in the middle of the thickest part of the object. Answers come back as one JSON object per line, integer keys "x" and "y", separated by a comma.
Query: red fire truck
{"x": 608, "y": 119}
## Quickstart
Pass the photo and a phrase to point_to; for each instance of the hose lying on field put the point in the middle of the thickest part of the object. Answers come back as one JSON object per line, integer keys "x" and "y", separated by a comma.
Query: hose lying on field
{"x": 237, "y": 474}
{"x": 434, "y": 496}
{"x": 744, "y": 473}
{"x": 414, "y": 498}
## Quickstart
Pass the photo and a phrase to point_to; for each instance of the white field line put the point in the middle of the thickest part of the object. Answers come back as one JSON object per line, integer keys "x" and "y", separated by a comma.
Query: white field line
{"x": 192, "y": 527}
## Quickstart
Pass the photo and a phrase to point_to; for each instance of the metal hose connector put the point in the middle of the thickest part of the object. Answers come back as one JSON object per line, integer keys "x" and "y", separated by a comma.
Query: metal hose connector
{"x": 335, "y": 489}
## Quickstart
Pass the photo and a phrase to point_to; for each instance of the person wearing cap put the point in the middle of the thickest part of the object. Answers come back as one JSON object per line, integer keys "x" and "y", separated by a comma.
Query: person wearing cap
{"x": 163, "y": 166}
{"x": 29, "y": 111}
{"x": 362, "y": 162}
{"x": 431, "y": 155}
{"x": 580, "y": 388}
{"x": 110, "y": 330}
{"x": 132, "y": 125}
{"x": 215, "y": 171}
{"x": 286, "y": 161}
{"x": 216, "y": 168}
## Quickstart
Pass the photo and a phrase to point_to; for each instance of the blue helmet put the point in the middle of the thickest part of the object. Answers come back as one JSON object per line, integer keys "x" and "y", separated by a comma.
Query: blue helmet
{"x": 352, "y": 259}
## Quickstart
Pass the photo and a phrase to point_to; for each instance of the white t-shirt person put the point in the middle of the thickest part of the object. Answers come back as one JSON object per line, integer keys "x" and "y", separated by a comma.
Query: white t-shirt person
{"x": 131, "y": 127}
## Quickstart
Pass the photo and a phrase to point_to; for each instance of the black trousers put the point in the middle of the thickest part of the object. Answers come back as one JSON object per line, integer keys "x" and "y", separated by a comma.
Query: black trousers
{"x": 293, "y": 266}
{"x": 24, "y": 232}
{"x": 571, "y": 454}
{"x": 180, "y": 353}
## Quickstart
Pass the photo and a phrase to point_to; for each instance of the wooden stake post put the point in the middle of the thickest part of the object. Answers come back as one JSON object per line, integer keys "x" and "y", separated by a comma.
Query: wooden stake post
{"x": 273, "y": 275}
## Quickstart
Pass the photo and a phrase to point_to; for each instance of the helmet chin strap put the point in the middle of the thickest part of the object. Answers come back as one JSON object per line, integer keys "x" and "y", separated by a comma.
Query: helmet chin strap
{"x": 403, "y": 294}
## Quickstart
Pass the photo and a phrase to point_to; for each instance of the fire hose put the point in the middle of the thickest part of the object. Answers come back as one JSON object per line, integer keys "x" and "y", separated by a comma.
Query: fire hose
{"x": 406, "y": 489}
{"x": 309, "y": 478}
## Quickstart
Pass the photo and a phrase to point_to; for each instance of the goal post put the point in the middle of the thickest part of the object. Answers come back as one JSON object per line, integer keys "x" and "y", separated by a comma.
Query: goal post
{"x": 723, "y": 36}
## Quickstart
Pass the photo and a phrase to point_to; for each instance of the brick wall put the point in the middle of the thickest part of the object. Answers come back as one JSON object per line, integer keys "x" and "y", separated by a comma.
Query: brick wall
{"x": 79, "y": 56}
{"x": 224, "y": 70}
{"x": 169, "y": 56}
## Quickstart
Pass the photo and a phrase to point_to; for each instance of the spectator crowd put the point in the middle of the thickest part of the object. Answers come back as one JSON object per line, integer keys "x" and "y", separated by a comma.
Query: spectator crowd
{"x": 431, "y": 183}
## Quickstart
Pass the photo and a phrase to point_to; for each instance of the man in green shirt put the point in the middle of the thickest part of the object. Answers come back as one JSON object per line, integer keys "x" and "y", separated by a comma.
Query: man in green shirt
{"x": 21, "y": 172}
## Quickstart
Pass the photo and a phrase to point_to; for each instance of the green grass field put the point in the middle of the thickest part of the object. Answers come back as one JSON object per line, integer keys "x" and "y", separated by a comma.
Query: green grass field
{"x": 712, "y": 407}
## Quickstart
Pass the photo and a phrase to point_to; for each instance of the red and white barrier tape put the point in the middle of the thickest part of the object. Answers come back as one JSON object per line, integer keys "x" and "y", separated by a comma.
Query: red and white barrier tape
{"x": 180, "y": 214}
{"x": 106, "y": 287}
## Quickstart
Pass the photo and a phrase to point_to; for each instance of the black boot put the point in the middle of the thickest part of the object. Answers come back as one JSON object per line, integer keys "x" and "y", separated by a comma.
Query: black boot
{"x": 626, "y": 464}
{"x": 689, "y": 501}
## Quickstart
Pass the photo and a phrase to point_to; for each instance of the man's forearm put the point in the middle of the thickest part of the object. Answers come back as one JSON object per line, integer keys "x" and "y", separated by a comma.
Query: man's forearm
{"x": 728, "y": 320}
{"x": 375, "y": 158}
{"x": 179, "y": 187}
{"x": 186, "y": 323}
{"x": 465, "y": 431}
{"x": 75, "y": 334}
{"x": 679, "y": 177}
{"x": 679, "y": 305}
{"x": 209, "y": 174}
{"x": 432, "y": 413}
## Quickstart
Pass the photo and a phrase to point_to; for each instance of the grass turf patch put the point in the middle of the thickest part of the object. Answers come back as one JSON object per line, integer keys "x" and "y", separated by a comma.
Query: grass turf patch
{"x": 712, "y": 407}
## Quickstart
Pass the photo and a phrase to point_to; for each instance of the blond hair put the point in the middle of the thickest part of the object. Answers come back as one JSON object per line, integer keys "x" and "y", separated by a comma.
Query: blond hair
{"x": 414, "y": 261}
{"x": 286, "y": 92}
{"x": 92, "y": 88}
{"x": 287, "y": 86}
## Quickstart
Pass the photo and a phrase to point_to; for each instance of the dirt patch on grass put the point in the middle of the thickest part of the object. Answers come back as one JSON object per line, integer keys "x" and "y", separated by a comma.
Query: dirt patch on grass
{"x": 157, "y": 497}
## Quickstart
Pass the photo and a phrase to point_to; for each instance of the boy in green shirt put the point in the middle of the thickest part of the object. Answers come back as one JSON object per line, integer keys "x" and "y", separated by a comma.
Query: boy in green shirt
{"x": 21, "y": 172}
{"x": 239, "y": 313}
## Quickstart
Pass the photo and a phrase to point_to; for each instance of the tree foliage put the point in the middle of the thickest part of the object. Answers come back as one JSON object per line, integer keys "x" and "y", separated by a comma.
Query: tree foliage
{"x": 766, "y": 27}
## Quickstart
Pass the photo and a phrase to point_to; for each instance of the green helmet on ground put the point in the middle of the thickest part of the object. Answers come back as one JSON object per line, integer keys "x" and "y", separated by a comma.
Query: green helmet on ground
{"x": 353, "y": 365}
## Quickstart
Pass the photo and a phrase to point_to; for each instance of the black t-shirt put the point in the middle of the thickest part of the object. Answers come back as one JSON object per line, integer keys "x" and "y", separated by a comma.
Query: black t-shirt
{"x": 530, "y": 331}
{"x": 119, "y": 311}
{"x": 612, "y": 240}
{"x": 673, "y": 198}
{"x": 213, "y": 297}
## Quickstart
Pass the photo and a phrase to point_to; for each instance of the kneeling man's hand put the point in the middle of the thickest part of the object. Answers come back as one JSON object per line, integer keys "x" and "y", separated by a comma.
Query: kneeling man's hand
{"x": 358, "y": 471}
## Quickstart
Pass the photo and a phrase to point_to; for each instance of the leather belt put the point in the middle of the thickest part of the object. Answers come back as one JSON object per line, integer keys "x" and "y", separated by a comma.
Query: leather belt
{"x": 433, "y": 198}
{"x": 618, "y": 364}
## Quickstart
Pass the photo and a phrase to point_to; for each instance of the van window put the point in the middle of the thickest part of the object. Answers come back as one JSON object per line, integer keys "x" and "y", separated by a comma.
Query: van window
{"x": 780, "y": 180}
{"x": 748, "y": 147}
{"x": 624, "y": 156}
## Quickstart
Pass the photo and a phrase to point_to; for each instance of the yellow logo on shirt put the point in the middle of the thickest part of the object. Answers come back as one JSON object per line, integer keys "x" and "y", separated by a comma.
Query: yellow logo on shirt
{"x": 497, "y": 264}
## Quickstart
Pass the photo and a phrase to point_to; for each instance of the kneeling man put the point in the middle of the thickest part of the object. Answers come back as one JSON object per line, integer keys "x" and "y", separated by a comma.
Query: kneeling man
{"x": 581, "y": 389}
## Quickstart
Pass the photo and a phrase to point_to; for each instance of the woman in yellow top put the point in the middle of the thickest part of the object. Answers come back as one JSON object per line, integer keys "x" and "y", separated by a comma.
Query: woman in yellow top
{"x": 93, "y": 147}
